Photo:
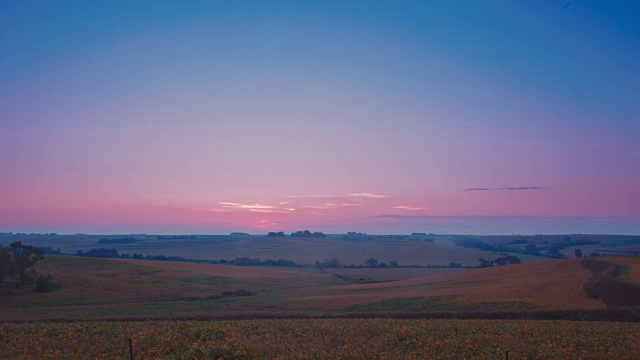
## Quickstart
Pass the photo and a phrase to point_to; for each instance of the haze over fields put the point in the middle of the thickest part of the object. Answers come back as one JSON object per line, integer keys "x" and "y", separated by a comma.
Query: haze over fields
{"x": 449, "y": 117}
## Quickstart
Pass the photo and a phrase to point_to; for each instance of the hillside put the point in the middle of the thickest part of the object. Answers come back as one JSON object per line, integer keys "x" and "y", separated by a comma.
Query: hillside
{"x": 95, "y": 287}
{"x": 553, "y": 284}
{"x": 106, "y": 288}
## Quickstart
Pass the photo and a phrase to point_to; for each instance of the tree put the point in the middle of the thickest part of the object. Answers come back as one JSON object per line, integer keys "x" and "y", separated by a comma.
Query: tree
{"x": 531, "y": 249}
{"x": 44, "y": 283}
{"x": 17, "y": 260}
{"x": 335, "y": 262}
{"x": 485, "y": 263}
{"x": 371, "y": 262}
{"x": 5, "y": 262}
{"x": 554, "y": 252}
{"x": 578, "y": 253}
{"x": 509, "y": 259}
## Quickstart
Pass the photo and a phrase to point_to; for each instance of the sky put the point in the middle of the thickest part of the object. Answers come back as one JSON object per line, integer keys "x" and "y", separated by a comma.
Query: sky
{"x": 385, "y": 117}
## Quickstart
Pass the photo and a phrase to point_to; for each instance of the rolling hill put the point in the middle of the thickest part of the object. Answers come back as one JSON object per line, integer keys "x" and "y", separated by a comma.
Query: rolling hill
{"x": 115, "y": 288}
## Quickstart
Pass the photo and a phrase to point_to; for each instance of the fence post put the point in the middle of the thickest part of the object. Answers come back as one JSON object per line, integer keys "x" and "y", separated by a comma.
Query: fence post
{"x": 131, "y": 348}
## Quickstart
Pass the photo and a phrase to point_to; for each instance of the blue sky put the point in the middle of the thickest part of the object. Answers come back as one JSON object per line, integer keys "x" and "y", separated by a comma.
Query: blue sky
{"x": 161, "y": 108}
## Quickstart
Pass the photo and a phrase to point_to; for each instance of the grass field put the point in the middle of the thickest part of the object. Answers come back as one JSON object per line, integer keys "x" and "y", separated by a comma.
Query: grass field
{"x": 323, "y": 339}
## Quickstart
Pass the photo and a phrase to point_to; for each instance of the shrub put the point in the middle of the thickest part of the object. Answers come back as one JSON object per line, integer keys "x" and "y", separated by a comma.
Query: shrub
{"x": 44, "y": 283}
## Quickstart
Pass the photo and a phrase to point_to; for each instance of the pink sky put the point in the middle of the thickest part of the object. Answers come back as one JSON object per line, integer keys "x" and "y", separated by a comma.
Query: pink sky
{"x": 214, "y": 118}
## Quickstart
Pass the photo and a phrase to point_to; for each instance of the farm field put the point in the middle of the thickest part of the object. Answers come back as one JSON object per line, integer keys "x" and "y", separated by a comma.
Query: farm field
{"x": 404, "y": 250}
{"x": 632, "y": 264}
{"x": 388, "y": 274}
{"x": 554, "y": 284}
{"x": 323, "y": 339}
{"x": 95, "y": 288}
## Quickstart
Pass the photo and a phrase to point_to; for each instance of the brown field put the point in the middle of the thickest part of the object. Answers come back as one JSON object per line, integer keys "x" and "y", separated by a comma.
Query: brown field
{"x": 105, "y": 285}
{"x": 554, "y": 284}
{"x": 633, "y": 263}
{"x": 323, "y": 339}
{"x": 105, "y": 288}
{"x": 388, "y": 274}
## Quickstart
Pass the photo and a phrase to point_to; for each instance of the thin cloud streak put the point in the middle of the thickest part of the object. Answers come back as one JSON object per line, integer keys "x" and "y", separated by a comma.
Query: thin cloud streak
{"x": 245, "y": 206}
{"x": 270, "y": 211}
{"x": 329, "y": 206}
{"x": 518, "y": 188}
{"x": 370, "y": 196}
{"x": 411, "y": 208}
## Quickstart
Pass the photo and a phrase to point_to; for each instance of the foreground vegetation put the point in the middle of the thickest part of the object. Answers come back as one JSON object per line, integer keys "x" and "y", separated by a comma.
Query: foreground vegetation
{"x": 323, "y": 339}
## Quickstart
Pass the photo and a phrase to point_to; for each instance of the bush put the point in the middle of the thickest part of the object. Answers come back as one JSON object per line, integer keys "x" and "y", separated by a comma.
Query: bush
{"x": 44, "y": 284}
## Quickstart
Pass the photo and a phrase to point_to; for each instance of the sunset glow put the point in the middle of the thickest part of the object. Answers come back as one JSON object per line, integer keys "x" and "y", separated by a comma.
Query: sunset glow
{"x": 382, "y": 117}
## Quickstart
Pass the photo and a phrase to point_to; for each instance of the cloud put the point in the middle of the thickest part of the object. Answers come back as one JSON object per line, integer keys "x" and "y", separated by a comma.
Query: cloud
{"x": 370, "y": 196}
{"x": 342, "y": 204}
{"x": 507, "y": 188}
{"x": 359, "y": 195}
{"x": 329, "y": 205}
{"x": 395, "y": 216}
{"x": 245, "y": 206}
{"x": 412, "y": 208}
{"x": 268, "y": 211}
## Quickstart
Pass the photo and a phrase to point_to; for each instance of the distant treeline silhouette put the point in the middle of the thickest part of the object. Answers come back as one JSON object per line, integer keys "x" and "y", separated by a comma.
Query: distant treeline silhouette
{"x": 299, "y": 234}
{"x": 127, "y": 240}
{"x": 113, "y": 254}
{"x": 177, "y": 237}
